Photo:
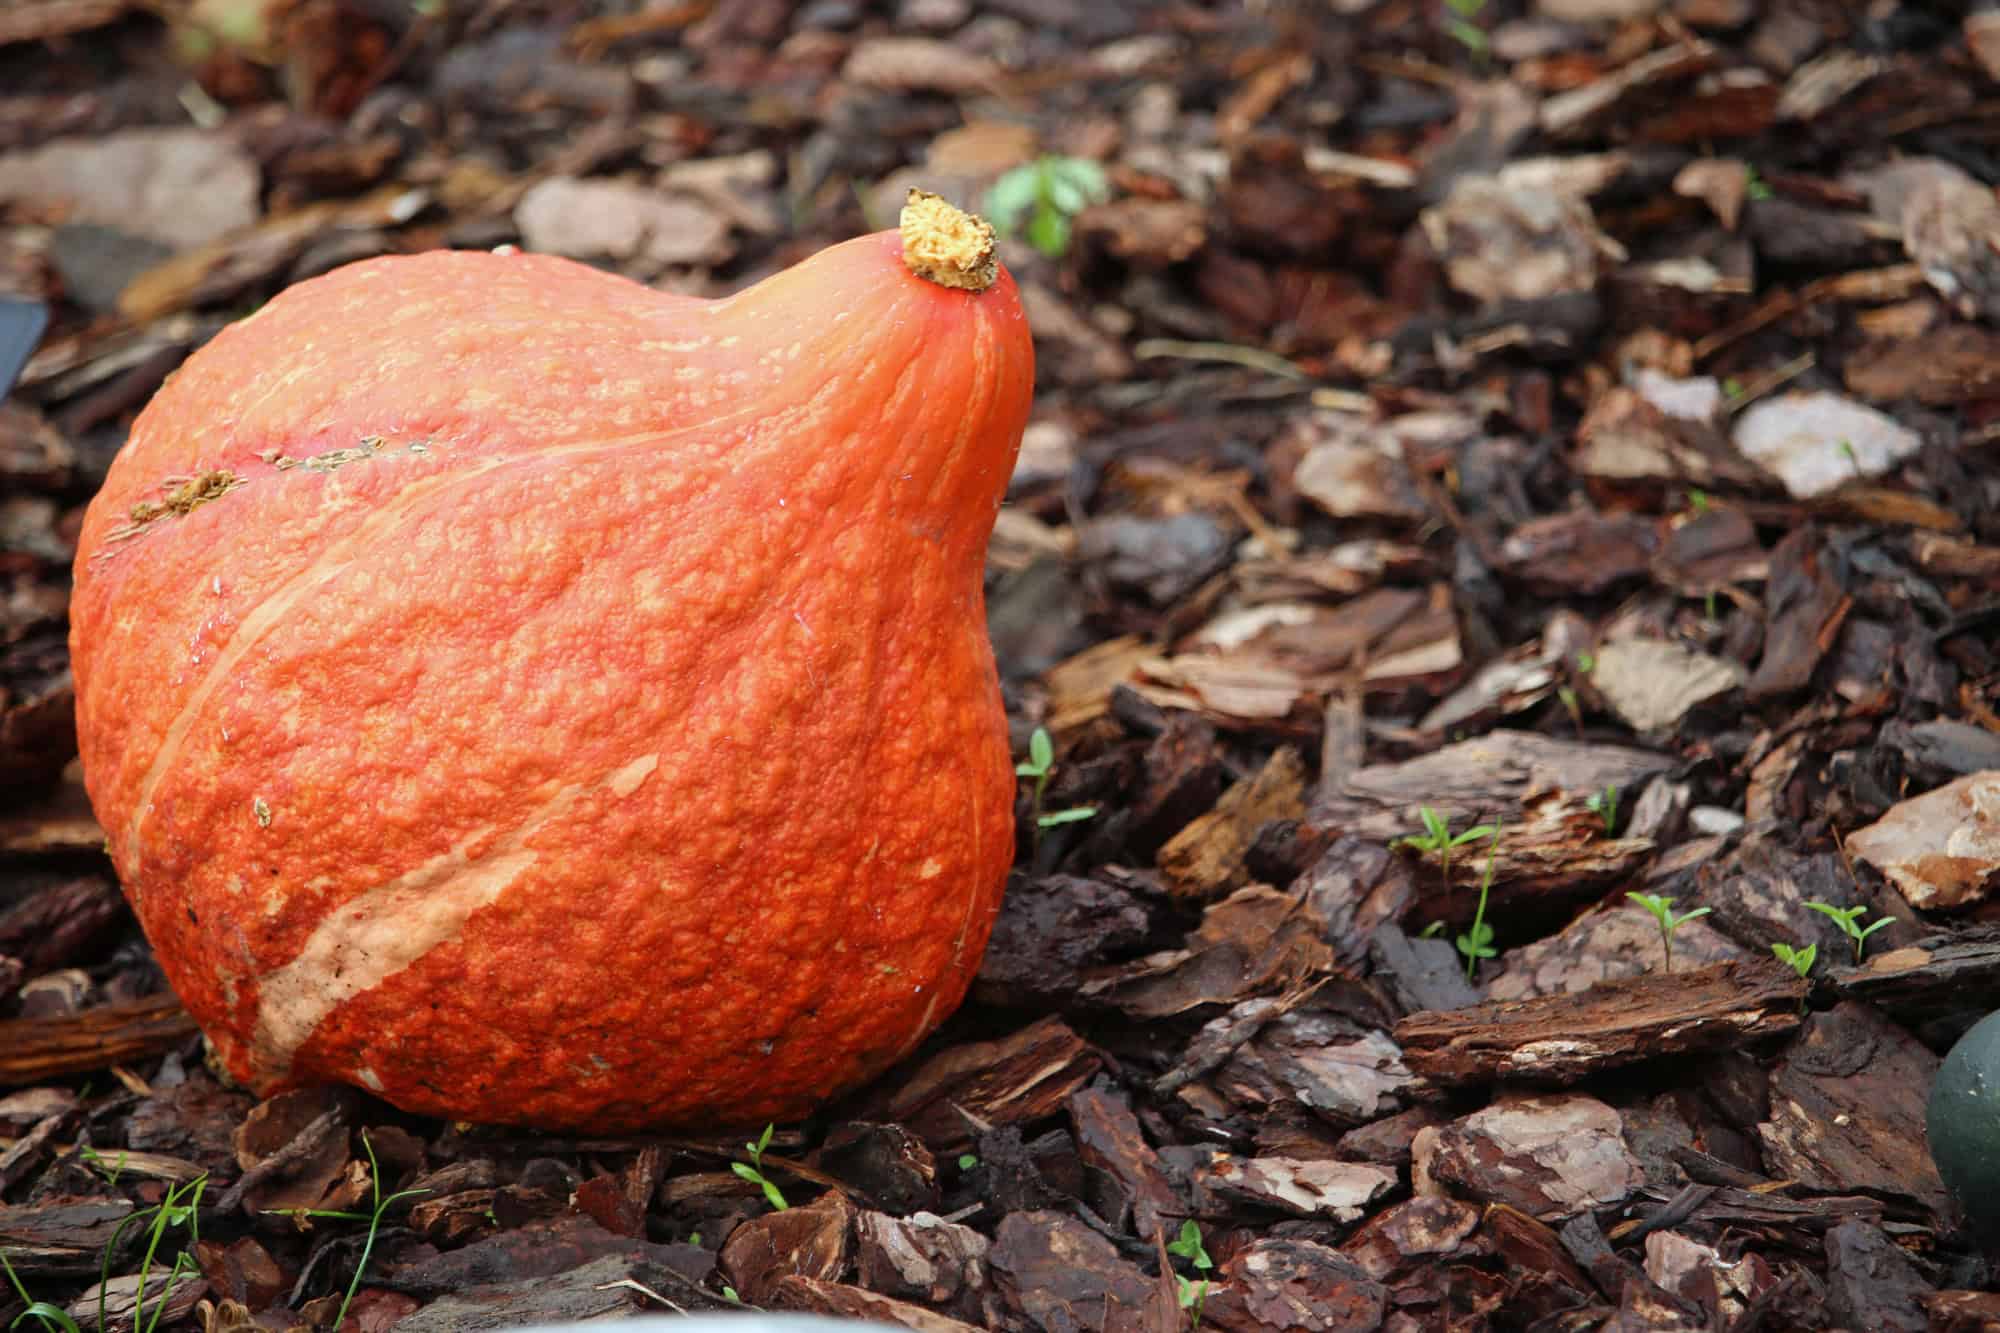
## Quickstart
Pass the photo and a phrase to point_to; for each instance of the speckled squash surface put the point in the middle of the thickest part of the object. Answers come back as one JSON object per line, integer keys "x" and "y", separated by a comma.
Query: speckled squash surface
{"x": 538, "y": 699}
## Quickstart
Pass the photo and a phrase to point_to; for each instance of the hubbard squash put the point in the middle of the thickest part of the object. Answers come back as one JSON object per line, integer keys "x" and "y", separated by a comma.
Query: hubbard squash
{"x": 539, "y": 699}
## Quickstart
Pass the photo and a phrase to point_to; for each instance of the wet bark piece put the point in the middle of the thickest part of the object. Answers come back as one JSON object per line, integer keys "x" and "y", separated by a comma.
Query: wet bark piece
{"x": 1562, "y": 1038}
{"x": 1344, "y": 1075}
{"x": 1357, "y": 886}
{"x": 926, "y": 1259}
{"x": 1123, "y": 1181}
{"x": 36, "y": 1050}
{"x": 1847, "y": 1108}
{"x": 1532, "y": 1252}
{"x": 1017, "y": 1078}
{"x": 1804, "y": 607}
{"x": 603, "y": 1288}
{"x": 63, "y": 1237}
{"x": 1954, "y": 363}
{"x": 1871, "y": 1283}
{"x": 885, "y": 1164}
{"x": 1963, "y": 1311}
{"x": 1335, "y": 1191}
{"x": 1420, "y": 973}
{"x": 1255, "y": 942}
{"x": 1484, "y": 779}
{"x": 1283, "y": 1284}
{"x": 1415, "y": 1232}
{"x": 1580, "y": 553}
{"x": 1551, "y": 1157}
{"x": 1050, "y": 930}
{"x": 1206, "y": 859}
{"x": 535, "y": 1251}
{"x": 1940, "y": 849}
{"x": 1938, "y": 986}
{"x": 1058, "y": 1275}
{"x": 815, "y": 1241}
{"x": 57, "y": 925}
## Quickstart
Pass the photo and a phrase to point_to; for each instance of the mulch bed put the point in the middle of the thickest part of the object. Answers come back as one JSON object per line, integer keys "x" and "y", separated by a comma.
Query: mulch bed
{"x": 1490, "y": 460}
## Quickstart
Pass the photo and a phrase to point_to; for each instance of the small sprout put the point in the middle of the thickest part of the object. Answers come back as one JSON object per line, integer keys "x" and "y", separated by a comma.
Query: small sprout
{"x": 373, "y": 1218}
{"x": 1698, "y": 498}
{"x": 1052, "y": 191}
{"x": 1438, "y": 840}
{"x": 1566, "y": 695}
{"x": 753, "y": 1171}
{"x": 1799, "y": 960}
{"x": 1192, "y": 1291}
{"x": 729, "y": 1294}
{"x": 1477, "y": 941}
{"x": 97, "y": 1161}
{"x": 1586, "y": 662}
{"x": 1754, "y": 186}
{"x": 1663, "y": 912}
{"x": 1847, "y": 918}
{"x": 966, "y": 1161}
{"x": 1459, "y": 23}
{"x": 1040, "y": 765}
{"x": 1604, "y": 804}
{"x": 1432, "y": 931}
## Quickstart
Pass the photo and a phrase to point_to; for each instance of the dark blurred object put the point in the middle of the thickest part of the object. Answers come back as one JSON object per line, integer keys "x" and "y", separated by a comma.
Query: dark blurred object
{"x": 21, "y": 325}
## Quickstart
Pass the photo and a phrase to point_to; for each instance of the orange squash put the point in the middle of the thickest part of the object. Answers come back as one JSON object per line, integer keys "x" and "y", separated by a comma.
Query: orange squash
{"x": 538, "y": 699}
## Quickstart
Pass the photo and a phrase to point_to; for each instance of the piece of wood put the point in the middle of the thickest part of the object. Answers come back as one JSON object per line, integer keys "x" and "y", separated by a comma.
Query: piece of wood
{"x": 1939, "y": 986}
{"x": 35, "y": 1050}
{"x": 1561, "y": 1038}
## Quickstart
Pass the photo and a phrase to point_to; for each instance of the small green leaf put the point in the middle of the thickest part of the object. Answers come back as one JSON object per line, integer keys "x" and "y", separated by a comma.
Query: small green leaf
{"x": 1012, "y": 195}
{"x": 1041, "y": 751}
{"x": 1048, "y": 231}
{"x": 1074, "y": 814}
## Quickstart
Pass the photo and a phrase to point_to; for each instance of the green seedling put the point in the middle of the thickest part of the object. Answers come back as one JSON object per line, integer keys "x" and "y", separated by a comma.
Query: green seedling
{"x": 966, "y": 1161}
{"x": 378, "y": 1205}
{"x": 1604, "y": 804}
{"x": 1050, "y": 191}
{"x": 1438, "y": 840}
{"x": 753, "y": 1170}
{"x": 1040, "y": 766}
{"x": 1477, "y": 941}
{"x": 53, "y": 1318}
{"x": 105, "y": 1167}
{"x": 1663, "y": 912}
{"x": 1848, "y": 918}
{"x": 178, "y": 1209}
{"x": 1566, "y": 695}
{"x": 1799, "y": 960}
{"x": 1459, "y": 23}
{"x": 1754, "y": 186}
{"x": 1192, "y": 1291}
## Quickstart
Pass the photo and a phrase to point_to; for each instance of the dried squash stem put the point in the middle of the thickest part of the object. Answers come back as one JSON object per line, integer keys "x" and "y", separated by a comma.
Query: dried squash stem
{"x": 947, "y": 245}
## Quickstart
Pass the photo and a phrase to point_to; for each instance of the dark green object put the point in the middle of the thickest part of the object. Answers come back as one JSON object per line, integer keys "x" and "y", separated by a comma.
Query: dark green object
{"x": 1963, "y": 1123}
{"x": 21, "y": 325}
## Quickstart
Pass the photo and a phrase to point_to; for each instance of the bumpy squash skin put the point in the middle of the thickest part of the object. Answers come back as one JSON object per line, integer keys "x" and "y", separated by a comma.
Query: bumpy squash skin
{"x": 609, "y": 738}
